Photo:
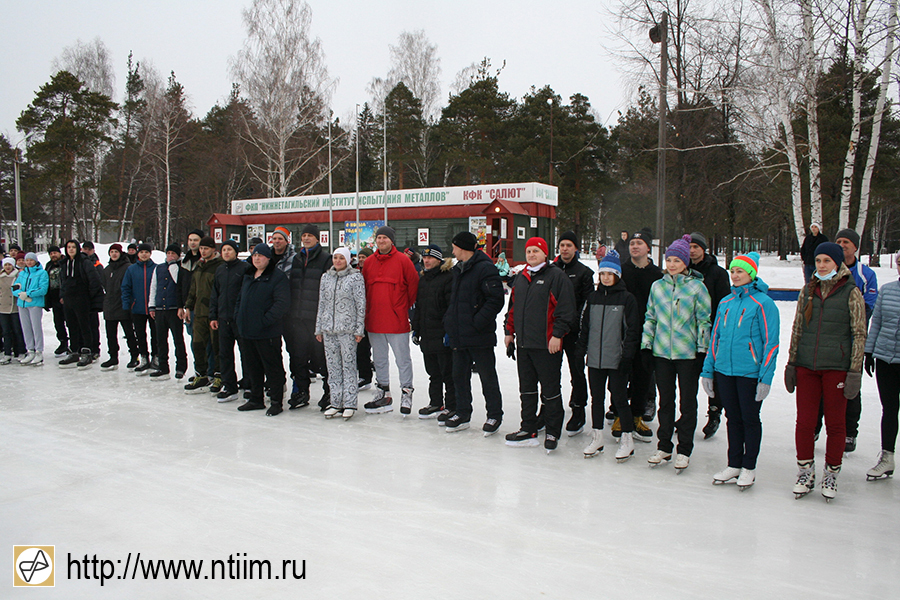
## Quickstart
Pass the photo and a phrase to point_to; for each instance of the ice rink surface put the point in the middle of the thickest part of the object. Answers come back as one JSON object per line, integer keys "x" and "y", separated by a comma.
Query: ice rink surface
{"x": 106, "y": 463}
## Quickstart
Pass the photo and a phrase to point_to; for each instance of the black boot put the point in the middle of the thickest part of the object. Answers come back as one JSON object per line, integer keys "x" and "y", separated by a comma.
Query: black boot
{"x": 576, "y": 421}
{"x": 712, "y": 425}
{"x": 299, "y": 399}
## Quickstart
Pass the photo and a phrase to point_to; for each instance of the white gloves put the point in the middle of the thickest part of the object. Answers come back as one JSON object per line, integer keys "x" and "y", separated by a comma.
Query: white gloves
{"x": 707, "y": 384}
{"x": 762, "y": 390}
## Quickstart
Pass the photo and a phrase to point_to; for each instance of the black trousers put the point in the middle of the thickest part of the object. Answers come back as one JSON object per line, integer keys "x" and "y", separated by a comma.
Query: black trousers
{"x": 228, "y": 336}
{"x": 112, "y": 342}
{"x": 167, "y": 321}
{"x": 887, "y": 376}
{"x": 537, "y": 367}
{"x": 80, "y": 324}
{"x": 59, "y": 316}
{"x": 618, "y": 391}
{"x": 439, "y": 366}
{"x": 641, "y": 387}
{"x": 364, "y": 358}
{"x": 485, "y": 361}
{"x": 264, "y": 364}
{"x": 688, "y": 376}
{"x": 95, "y": 324}
{"x": 13, "y": 338}
{"x": 140, "y": 322}
{"x": 306, "y": 354}
{"x": 575, "y": 358}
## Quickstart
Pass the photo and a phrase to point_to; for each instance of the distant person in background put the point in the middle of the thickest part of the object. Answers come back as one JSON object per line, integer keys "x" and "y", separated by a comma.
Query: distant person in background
{"x": 808, "y": 249}
{"x": 503, "y": 267}
{"x": 14, "y": 251}
{"x": 251, "y": 245}
{"x": 132, "y": 253}
{"x": 622, "y": 244}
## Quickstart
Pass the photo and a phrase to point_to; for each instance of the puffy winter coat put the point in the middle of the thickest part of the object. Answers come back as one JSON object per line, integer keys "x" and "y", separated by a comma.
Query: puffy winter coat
{"x": 226, "y": 289}
{"x": 342, "y": 302}
{"x": 263, "y": 302}
{"x": 81, "y": 284}
{"x": 883, "y": 340}
{"x": 610, "y": 328}
{"x": 136, "y": 287}
{"x": 541, "y": 306}
{"x": 35, "y": 283}
{"x": 716, "y": 280}
{"x": 113, "y": 277}
{"x": 582, "y": 278}
{"x": 744, "y": 339}
{"x": 476, "y": 298}
{"x": 676, "y": 325}
{"x": 201, "y": 286}
{"x": 167, "y": 287}
{"x": 8, "y": 300}
{"x": 391, "y": 287}
{"x": 432, "y": 300}
{"x": 305, "y": 274}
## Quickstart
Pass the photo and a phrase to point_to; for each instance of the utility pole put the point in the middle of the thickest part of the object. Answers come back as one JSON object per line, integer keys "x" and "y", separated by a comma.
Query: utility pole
{"x": 659, "y": 35}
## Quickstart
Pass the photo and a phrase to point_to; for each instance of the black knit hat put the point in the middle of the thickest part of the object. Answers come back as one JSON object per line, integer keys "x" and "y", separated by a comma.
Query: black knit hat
{"x": 465, "y": 240}
{"x": 145, "y": 247}
{"x": 254, "y": 241}
{"x": 699, "y": 239}
{"x": 174, "y": 247}
{"x": 832, "y": 251}
{"x": 434, "y": 251}
{"x": 645, "y": 235}
{"x": 570, "y": 236}
{"x": 132, "y": 246}
{"x": 388, "y": 231}
{"x": 54, "y": 249}
{"x": 850, "y": 235}
{"x": 208, "y": 242}
{"x": 310, "y": 229}
{"x": 196, "y": 232}
{"x": 231, "y": 243}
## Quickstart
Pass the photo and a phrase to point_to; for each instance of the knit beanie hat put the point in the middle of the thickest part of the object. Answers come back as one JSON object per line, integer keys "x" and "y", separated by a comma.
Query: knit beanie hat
{"x": 540, "y": 243}
{"x": 54, "y": 249}
{"x": 9, "y": 260}
{"x": 699, "y": 239}
{"x": 133, "y": 246}
{"x": 116, "y": 247}
{"x": 345, "y": 252}
{"x": 570, "y": 236}
{"x": 283, "y": 232}
{"x": 388, "y": 231}
{"x": 748, "y": 262}
{"x": 611, "y": 264}
{"x": 816, "y": 225}
{"x": 680, "y": 249}
{"x": 264, "y": 250}
{"x": 31, "y": 256}
{"x": 254, "y": 241}
{"x": 465, "y": 240}
{"x": 645, "y": 235}
{"x": 231, "y": 243}
{"x": 850, "y": 235}
{"x": 365, "y": 252}
{"x": 88, "y": 245}
{"x": 145, "y": 247}
{"x": 310, "y": 229}
{"x": 832, "y": 251}
{"x": 208, "y": 242}
{"x": 174, "y": 247}
{"x": 434, "y": 251}
{"x": 196, "y": 232}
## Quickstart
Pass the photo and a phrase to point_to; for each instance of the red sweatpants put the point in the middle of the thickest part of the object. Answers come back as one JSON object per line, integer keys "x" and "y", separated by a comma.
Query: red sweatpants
{"x": 827, "y": 388}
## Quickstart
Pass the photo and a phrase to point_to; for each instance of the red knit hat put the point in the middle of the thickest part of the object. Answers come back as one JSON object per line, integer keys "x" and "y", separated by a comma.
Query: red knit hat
{"x": 540, "y": 243}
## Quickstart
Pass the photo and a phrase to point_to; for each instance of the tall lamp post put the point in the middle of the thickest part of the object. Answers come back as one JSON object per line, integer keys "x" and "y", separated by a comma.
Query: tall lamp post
{"x": 356, "y": 244}
{"x": 659, "y": 35}
{"x": 330, "y": 199}
{"x": 18, "y": 192}
{"x": 550, "y": 102}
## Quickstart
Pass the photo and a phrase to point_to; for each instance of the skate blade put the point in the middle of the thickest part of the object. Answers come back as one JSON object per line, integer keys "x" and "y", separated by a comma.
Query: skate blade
{"x": 488, "y": 433}
{"x": 887, "y": 475}
{"x": 744, "y": 488}
{"x": 680, "y": 471}
{"x": 112, "y": 368}
{"x": 624, "y": 459}
{"x": 724, "y": 481}
{"x": 574, "y": 433}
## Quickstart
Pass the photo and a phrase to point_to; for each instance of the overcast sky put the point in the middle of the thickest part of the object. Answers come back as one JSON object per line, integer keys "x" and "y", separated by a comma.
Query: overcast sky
{"x": 555, "y": 43}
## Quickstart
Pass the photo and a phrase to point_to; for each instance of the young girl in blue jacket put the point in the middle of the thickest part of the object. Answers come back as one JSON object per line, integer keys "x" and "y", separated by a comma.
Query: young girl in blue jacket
{"x": 742, "y": 353}
{"x": 30, "y": 287}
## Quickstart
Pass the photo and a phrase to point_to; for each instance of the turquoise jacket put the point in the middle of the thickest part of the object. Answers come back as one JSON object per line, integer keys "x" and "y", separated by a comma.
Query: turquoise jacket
{"x": 35, "y": 282}
{"x": 744, "y": 340}
{"x": 677, "y": 325}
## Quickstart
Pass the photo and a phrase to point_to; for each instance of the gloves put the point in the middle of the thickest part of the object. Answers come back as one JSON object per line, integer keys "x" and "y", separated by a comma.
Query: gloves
{"x": 790, "y": 378}
{"x": 869, "y": 364}
{"x": 707, "y": 384}
{"x": 22, "y": 296}
{"x": 852, "y": 385}
{"x": 415, "y": 338}
{"x": 511, "y": 350}
{"x": 762, "y": 390}
{"x": 647, "y": 359}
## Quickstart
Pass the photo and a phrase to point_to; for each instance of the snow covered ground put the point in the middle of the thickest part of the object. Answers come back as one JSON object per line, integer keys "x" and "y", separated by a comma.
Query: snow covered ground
{"x": 105, "y": 463}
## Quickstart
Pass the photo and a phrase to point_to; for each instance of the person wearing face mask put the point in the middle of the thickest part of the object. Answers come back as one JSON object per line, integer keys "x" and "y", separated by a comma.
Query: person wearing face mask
{"x": 828, "y": 339}
{"x": 743, "y": 349}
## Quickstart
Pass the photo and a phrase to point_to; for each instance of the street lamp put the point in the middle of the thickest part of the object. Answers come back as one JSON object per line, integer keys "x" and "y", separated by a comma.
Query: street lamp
{"x": 550, "y": 102}
{"x": 659, "y": 35}
{"x": 18, "y": 193}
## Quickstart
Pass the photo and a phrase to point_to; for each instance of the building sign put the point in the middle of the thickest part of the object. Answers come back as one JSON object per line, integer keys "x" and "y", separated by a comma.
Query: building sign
{"x": 217, "y": 235}
{"x": 258, "y": 231}
{"x": 461, "y": 195}
{"x": 361, "y": 234}
{"x": 423, "y": 237}
{"x": 324, "y": 238}
{"x": 534, "y": 222}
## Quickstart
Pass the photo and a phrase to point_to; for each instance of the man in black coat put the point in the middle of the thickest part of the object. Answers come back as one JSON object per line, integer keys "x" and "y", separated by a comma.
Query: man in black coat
{"x": 306, "y": 353}
{"x": 432, "y": 299}
{"x": 582, "y": 278}
{"x": 52, "y": 300}
{"x": 718, "y": 284}
{"x": 113, "y": 311}
{"x": 225, "y": 291}
{"x": 471, "y": 325}
{"x": 808, "y": 249}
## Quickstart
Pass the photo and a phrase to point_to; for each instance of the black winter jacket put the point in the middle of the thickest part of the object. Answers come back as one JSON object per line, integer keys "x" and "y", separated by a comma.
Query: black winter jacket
{"x": 432, "y": 300}
{"x": 226, "y": 289}
{"x": 582, "y": 278}
{"x": 305, "y": 274}
{"x": 610, "y": 327}
{"x": 476, "y": 299}
{"x": 716, "y": 280}
{"x": 263, "y": 302}
{"x": 639, "y": 281}
{"x": 113, "y": 275}
{"x": 808, "y": 248}
{"x": 541, "y": 306}
{"x": 81, "y": 284}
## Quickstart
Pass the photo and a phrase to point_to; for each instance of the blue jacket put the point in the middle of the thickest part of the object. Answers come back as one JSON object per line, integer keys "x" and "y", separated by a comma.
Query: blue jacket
{"x": 883, "y": 340}
{"x": 867, "y": 283}
{"x": 35, "y": 282}
{"x": 167, "y": 288}
{"x": 136, "y": 287}
{"x": 744, "y": 339}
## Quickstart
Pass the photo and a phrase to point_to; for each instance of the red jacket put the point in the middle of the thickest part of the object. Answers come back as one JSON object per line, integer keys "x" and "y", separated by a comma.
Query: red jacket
{"x": 391, "y": 286}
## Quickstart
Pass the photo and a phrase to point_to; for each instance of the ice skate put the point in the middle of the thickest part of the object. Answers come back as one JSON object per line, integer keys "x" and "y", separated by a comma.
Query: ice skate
{"x": 681, "y": 463}
{"x": 806, "y": 478}
{"x": 109, "y": 365}
{"x": 382, "y": 403}
{"x": 746, "y": 479}
{"x": 348, "y": 413}
{"x": 596, "y": 445}
{"x": 226, "y": 395}
{"x": 456, "y": 423}
{"x": 86, "y": 360}
{"x": 143, "y": 367}
{"x": 37, "y": 360}
{"x": 884, "y": 469}
{"x": 5, "y": 359}
{"x": 29, "y": 356}
{"x": 829, "y": 482}
{"x": 406, "y": 401}
{"x": 642, "y": 433}
{"x": 490, "y": 427}
{"x": 712, "y": 424}
{"x": 726, "y": 475}
{"x": 332, "y": 412}
{"x": 659, "y": 458}
{"x": 626, "y": 447}
{"x": 69, "y": 362}
{"x": 522, "y": 439}
{"x": 199, "y": 385}
{"x": 430, "y": 411}
{"x": 550, "y": 443}
{"x": 576, "y": 421}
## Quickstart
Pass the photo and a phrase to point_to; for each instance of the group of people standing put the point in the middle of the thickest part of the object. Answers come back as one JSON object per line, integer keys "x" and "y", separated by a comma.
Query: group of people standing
{"x": 639, "y": 327}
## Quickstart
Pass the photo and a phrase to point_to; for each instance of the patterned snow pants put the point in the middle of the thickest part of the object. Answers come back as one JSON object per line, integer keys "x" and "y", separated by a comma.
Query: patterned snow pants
{"x": 343, "y": 377}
